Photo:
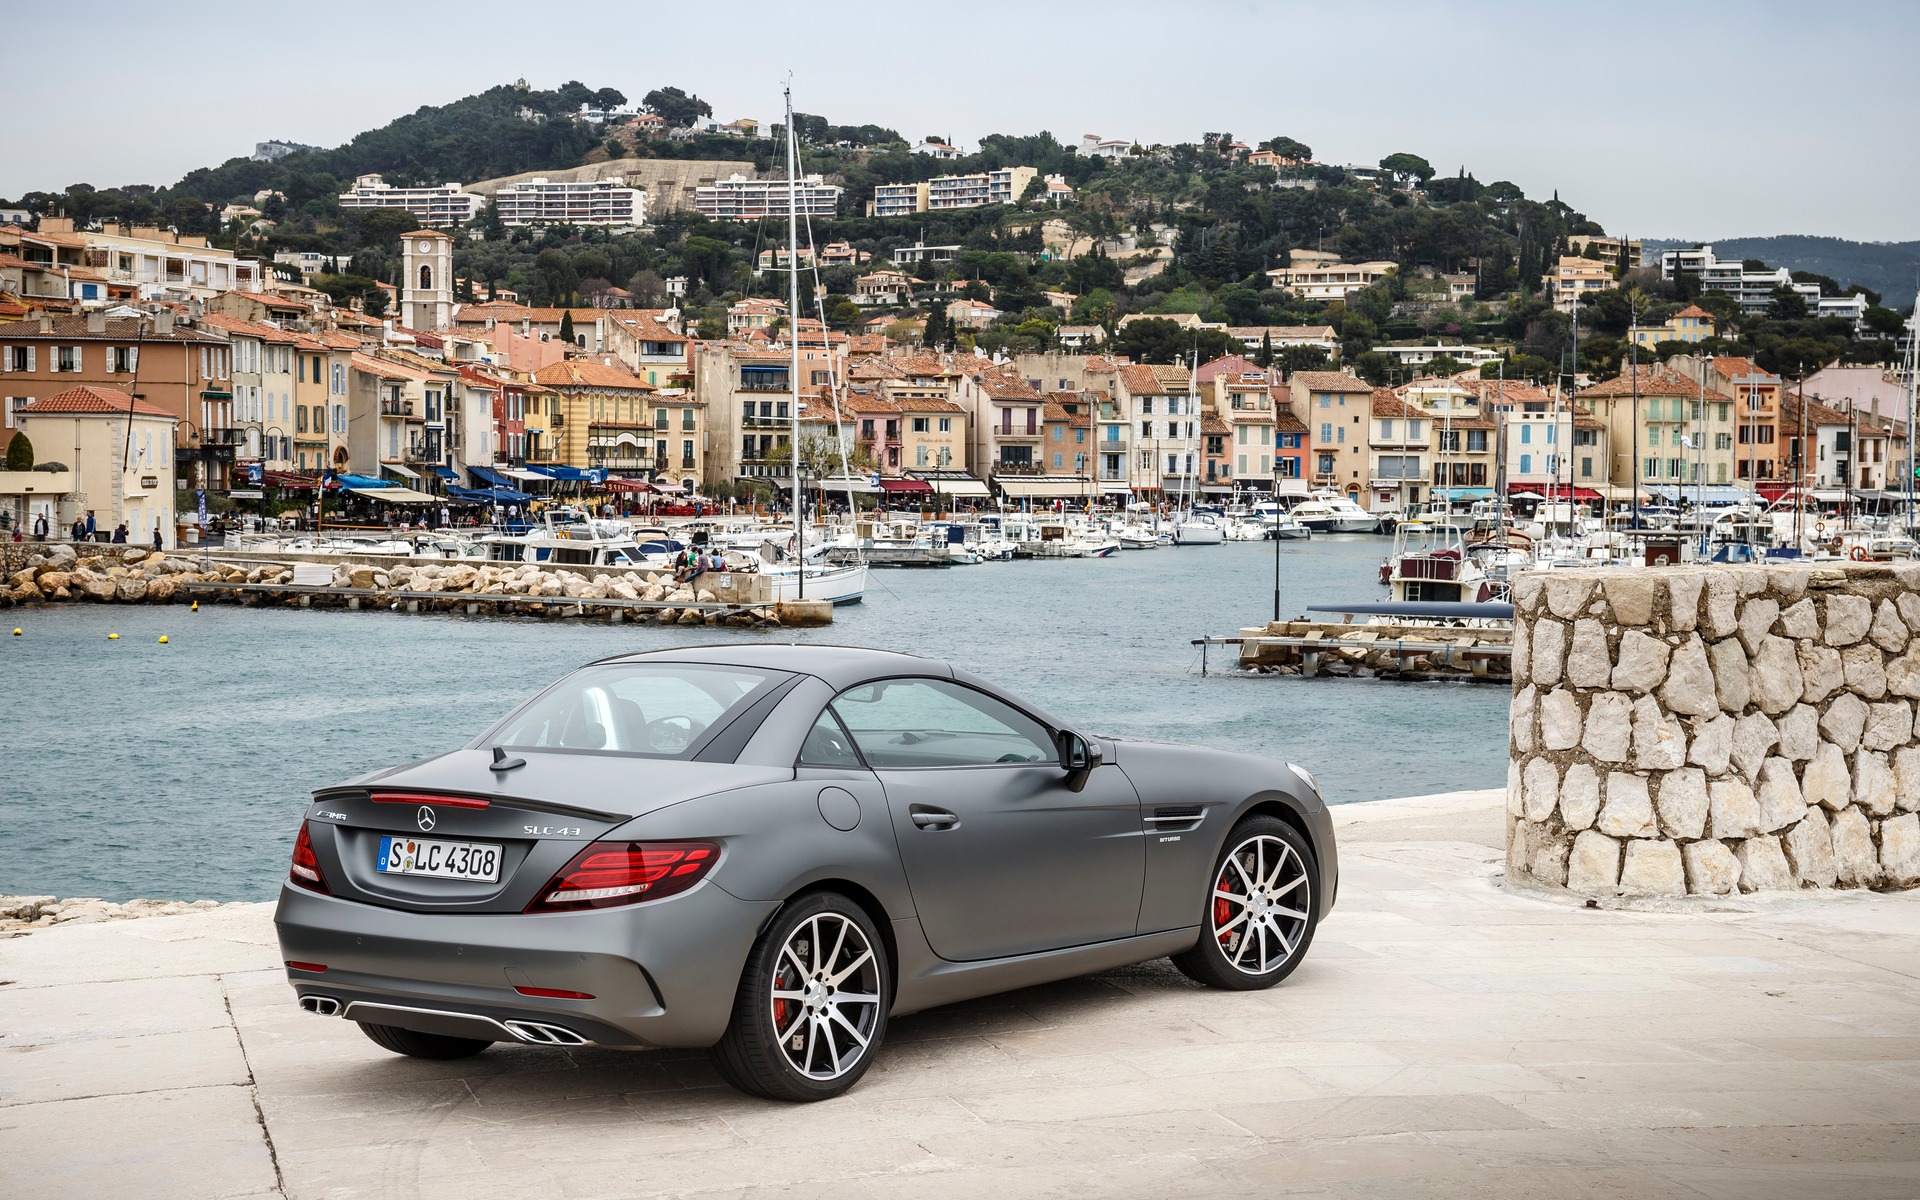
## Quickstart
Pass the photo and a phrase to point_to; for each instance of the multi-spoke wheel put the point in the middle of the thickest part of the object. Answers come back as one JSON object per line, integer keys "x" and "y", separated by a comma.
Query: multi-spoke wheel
{"x": 1259, "y": 915}
{"x": 812, "y": 1005}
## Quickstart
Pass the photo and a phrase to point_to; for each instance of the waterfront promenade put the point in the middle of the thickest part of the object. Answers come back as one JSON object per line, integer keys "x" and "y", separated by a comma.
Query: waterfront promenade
{"x": 1444, "y": 1038}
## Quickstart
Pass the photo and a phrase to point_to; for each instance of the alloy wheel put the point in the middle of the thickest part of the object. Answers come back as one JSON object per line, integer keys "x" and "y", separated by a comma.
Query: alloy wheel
{"x": 1261, "y": 901}
{"x": 826, "y": 996}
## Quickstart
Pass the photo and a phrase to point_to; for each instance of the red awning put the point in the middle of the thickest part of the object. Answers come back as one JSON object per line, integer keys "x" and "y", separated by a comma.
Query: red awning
{"x": 628, "y": 485}
{"x": 289, "y": 480}
{"x": 1773, "y": 491}
{"x": 905, "y": 485}
{"x": 1539, "y": 490}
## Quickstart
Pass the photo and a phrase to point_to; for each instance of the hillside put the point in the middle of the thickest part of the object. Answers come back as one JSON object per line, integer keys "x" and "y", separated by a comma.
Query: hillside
{"x": 668, "y": 182}
{"x": 1890, "y": 268}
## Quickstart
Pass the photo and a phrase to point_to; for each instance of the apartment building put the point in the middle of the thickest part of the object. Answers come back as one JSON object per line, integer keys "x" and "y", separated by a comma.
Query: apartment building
{"x": 680, "y": 438}
{"x": 1335, "y": 407}
{"x": 119, "y": 457}
{"x": 437, "y": 207}
{"x": 934, "y": 436}
{"x": 1572, "y": 279}
{"x": 52, "y": 267}
{"x": 1751, "y": 289}
{"x": 749, "y": 397}
{"x": 399, "y": 406}
{"x": 1004, "y": 413}
{"x": 600, "y": 202}
{"x": 1314, "y": 278}
{"x": 1252, "y": 337}
{"x": 650, "y": 344}
{"x": 179, "y": 368}
{"x": 1691, "y": 324}
{"x": 263, "y": 390}
{"x": 605, "y": 416}
{"x": 321, "y": 363}
{"x": 1665, "y": 426}
{"x": 1163, "y": 414}
{"x": 755, "y": 313}
{"x": 737, "y": 198}
{"x": 146, "y": 262}
{"x": 1399, "y": 446}
{"x": 893, "y": 288}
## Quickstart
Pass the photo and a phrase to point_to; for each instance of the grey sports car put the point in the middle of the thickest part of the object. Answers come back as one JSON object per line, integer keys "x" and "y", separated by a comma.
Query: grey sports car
{"x": 769, "y": 850}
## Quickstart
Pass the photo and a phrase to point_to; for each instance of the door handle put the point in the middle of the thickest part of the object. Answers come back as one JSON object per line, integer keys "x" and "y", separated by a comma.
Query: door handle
{"x": 933, "y": 818}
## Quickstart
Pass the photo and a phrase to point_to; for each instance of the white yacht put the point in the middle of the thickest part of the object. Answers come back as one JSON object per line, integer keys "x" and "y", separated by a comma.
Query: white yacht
{"x": 1330, "y": 512}
{"x": 1198, "y": 529}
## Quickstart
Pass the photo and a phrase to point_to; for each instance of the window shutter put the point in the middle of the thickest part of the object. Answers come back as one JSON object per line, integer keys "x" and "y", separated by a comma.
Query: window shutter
{"x": 31, "y": 355}
{"x": 6, "y": 359}
{"x": 133, "y": 359}
{"x": 79, "y": 358}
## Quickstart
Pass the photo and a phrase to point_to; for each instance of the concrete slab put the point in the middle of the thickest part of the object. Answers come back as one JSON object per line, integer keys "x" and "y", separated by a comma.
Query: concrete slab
{"x": 1446, "y": 1037}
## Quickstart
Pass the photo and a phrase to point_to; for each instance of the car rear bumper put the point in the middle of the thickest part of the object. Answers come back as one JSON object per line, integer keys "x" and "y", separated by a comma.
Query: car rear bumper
{"x": 660, "y": 974}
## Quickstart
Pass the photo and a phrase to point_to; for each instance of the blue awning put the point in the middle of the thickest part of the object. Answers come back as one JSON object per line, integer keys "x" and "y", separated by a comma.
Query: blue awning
{"x": 490, "y": 477}
{"x": 1709, "y": 493}
{"x": 363, "y": 481}
{"x": 492, "y": 495}
{"x": 1460, "y": 493}
{"x": 578, "y": 474}
{"x": 445, "y": 472}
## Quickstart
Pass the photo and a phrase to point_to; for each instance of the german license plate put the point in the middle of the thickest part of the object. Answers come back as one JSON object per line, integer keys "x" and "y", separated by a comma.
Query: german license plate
{"x": 478, "y": 861}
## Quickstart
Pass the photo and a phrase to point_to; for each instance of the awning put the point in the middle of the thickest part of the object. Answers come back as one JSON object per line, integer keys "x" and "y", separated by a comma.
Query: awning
{"x": 402, "y": 472}
{"x": 1115, "y": 489}
{"x": 289, "y": 480}
{"x": 1442, "y": 492}
{"x": 905, "y": 485}
{"x": 362, "y": 482}
{"x": 489, "y": 477}
{"x": 951, "y": 483}
{"x": 526, "y": 476}
{"x": 1043, "y": 487}
{"x": 629, "y": 485}
{"x": 848, "y": 483}
{"x": 494, "y": 495}
{"x": 1291, "y": 487}
{"x": 445, "y": 472}
{"x": 396, "y": 495}
{"x": 572, "y": 474}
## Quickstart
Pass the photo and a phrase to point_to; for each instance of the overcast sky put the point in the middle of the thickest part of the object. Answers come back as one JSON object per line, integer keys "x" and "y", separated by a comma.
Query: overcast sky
{"x": 1693, "y": 120}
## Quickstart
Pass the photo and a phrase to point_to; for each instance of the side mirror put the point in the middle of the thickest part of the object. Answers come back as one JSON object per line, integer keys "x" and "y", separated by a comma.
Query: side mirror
{"x": 1078, "y": 757}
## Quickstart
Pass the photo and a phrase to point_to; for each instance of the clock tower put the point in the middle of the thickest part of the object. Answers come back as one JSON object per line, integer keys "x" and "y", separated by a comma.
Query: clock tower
{"x": 426, "y": 285}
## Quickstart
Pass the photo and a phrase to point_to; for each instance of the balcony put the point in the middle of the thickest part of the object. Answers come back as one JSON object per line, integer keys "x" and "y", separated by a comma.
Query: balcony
{"x": 752, "y": 383}
{"x": 1027, "y": 433}
{"x": 1016, "y": 468}
{"x": 419, "y": 453}
{"x": 396, "y": 408}
{"x": 222, "y": 437}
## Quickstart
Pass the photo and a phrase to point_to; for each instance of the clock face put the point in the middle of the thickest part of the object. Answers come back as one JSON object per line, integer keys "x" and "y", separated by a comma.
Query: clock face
{"x": 424, "y": 247}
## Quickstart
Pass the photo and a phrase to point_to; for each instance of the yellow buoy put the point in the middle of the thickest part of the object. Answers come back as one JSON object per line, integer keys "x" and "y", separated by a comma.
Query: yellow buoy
{"x": 163, "y": 639}
{"x": 16, "y": 631}
{"x": 196, "y": 607}
{"x": 113, "y": 637}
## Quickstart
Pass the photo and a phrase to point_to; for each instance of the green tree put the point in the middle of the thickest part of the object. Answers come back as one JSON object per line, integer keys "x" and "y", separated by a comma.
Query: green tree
{"x": 1153, "y": 340}
{"x": 1301, "y": 358}
{"x": 1286, "y": 147}
{"x": 374, "y": 302}
{"x": 566, "y": 327}
{"x": 844, "y": 312}
{"x": 1406, "y": 167}
{"x": 939, "y": 329}
{"x": 1787, "y": 305}
{"x": 1264, "y": 356}
{"x": 383, "y": 227}
{"x": 676, "y": 107}
{"x": 1884, "y": 322}
{"x": 19, "y": 453}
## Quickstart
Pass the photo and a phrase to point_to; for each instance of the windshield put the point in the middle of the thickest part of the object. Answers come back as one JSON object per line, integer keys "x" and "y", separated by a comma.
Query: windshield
{"x": 660, "y": 710}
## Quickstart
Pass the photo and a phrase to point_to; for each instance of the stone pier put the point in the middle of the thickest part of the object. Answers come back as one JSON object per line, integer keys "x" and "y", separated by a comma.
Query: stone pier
{"x": 1702, "y": 730}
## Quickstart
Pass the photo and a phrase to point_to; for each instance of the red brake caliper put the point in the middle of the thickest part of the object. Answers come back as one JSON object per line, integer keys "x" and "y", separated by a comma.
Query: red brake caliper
{"x": 780, "y": 1006}
{"x": 1222, "y": 908}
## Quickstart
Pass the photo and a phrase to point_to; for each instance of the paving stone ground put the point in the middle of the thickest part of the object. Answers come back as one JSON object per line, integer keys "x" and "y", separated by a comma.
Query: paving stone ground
{"x": 1445, "y": 1038}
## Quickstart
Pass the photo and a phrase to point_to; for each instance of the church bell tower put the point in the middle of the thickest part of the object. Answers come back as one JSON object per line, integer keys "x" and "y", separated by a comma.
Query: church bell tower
{"x": 426, "y": 288}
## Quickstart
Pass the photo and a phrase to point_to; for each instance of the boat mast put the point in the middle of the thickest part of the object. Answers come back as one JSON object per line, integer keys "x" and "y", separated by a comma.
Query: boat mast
{"x": 793, "y": 343}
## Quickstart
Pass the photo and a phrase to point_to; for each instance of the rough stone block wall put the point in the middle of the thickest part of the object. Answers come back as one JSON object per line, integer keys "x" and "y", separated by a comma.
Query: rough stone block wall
{"x": 1702, "y": 730}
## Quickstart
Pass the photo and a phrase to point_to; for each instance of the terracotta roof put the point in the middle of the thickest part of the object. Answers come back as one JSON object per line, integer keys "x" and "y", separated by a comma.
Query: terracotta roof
{"x": 266, "y": 333}
{"x": 866, "y": 402}
{"x": 920, "y": 404}
{"x": 101, "y": 401}
{"x": 428, "y": 233}
{"x": 1231, "y": 364}
{"x": 386, "y": 368}
{"x": 1693, "y": 310}
{"x": 1209, "y": 423}
{"x": 1652, "y": 381}
{"x": 1286, "y": 422}
{"x": 271, "y": 300}
{"x": 1386, "y": 404}
{"x": 1330, "y": 381}
{"x": 585, "y": 372}
{"x": 647, "y": 327}
{"x": 1003, "y": 384}
{"x": 118, "y": 329}
{"x": 501, "y": 310}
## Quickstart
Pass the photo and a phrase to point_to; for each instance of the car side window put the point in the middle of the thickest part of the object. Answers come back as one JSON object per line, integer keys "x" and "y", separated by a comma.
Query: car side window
{"x": 827, "y": 744}
{"x": 903, "y": 723}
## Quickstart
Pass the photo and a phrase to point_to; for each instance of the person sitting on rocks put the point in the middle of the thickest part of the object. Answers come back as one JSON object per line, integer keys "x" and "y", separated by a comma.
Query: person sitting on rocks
{"x": 120, "y": 534}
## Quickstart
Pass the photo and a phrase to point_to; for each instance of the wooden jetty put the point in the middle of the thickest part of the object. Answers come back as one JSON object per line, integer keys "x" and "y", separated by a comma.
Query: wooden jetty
{"x": 1406, "y": 641}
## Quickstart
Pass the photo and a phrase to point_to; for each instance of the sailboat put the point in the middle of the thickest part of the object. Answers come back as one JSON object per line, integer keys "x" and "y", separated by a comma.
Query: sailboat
{"x": 804, "y": 576}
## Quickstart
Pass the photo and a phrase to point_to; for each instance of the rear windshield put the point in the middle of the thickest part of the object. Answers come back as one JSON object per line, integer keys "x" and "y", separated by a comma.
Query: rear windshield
{"x": 660, "y": 710}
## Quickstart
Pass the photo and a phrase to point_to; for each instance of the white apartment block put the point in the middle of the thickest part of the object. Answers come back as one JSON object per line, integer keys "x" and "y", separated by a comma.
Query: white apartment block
{"x": 434, "y": 207}
{"x": 1320, "y": 280}
{"x": 737, "y": 198}
{"x": 947, "y": 192}
{"x": 1752, "y": 289}
{"x": 542, "y": 201}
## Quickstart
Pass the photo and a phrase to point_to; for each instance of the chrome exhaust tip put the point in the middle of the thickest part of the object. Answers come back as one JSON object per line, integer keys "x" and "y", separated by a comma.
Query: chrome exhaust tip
{"x": 325, "y": 1006}
{"x": 544, "y": 1035}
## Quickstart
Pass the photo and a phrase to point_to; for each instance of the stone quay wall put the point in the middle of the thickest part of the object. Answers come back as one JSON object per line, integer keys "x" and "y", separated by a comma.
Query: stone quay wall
{"x": 1706, "y": 730}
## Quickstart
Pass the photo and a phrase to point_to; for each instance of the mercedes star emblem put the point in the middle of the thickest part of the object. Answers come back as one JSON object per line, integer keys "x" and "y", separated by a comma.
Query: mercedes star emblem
{"x": 426, "y": 819}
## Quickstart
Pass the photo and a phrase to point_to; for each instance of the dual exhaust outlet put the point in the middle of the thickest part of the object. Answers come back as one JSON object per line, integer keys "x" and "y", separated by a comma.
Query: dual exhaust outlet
{"x": 533, "y": 1033}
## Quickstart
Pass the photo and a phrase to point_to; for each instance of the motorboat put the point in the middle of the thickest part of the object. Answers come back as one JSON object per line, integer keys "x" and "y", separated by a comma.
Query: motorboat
{"x": 1134, "y": 536}
{"x": 568, "y": 537}
{"x": 1333, "y": 513}
{"x": 1198, "y": 529}
{"x": 1432, "y": 563}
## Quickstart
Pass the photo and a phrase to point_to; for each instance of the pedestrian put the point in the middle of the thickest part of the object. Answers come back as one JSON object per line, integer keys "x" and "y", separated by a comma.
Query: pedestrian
{"x": 40, "y": 528}
{"x": 446, "y": 517}
{"x": 79, "y": 529}
{"x": 156, "y": 537}
{"x": 90, "y": 528}
{"x": 120, "y": 534}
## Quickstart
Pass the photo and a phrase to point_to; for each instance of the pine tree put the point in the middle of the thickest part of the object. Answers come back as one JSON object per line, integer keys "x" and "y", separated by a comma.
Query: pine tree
{"x": 1264, "y": 359}
{"x": 938, "y": 330}
{"x": 566, "y": 327}
{"x": 19, "y": 453}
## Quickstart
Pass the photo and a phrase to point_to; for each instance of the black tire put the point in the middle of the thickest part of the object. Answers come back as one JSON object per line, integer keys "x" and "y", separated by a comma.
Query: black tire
{"x": 758, "y": 1052}
{"x": 414, "y": 1044}
{"x": 1279, "y": 940}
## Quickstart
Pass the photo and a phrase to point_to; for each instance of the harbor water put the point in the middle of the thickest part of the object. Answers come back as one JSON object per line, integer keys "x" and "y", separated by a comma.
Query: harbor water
{"x": 131, "y": 768}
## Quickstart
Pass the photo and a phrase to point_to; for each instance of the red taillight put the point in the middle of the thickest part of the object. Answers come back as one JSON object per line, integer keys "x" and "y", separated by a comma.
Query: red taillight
{"x": 306, "y": 871}
{"x": 313, "y": 968}
{"x": 423, "y": 798}
{"x": 554, "y": 993}
{"x": 606, "y": 874}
